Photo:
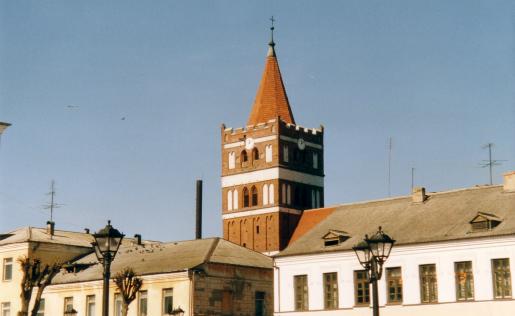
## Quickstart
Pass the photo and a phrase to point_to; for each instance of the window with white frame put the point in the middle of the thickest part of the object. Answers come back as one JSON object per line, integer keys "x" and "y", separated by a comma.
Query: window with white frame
{"x": 268, "y": 153}
{"x": 41, "y": 309}
{"x": 68, "y": 306}
{"x": 118, "y": 303}
{"x": 142, "y": 303}
{"x": 502, "y": 278}
{"x": 6, "y": 309}
{"x": 232, "y": 160}
{"x": 7, "y": 269}
{"x": 167, "y": 301}
{"x": 90, "y": 305}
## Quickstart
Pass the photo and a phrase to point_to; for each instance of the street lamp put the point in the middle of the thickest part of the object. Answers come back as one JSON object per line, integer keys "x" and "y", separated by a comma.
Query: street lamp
{"x": 106, "y": 244}
{"x": 372, "y": 253}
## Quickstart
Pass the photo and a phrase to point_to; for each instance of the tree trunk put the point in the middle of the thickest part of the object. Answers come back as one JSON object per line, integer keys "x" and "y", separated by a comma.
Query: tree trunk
{"x": 24, "y": 306}
{"x": 125, "y": 309}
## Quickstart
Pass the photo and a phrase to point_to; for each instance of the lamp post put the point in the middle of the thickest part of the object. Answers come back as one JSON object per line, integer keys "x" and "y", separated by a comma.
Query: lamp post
{"x": 372, "y": 253}
{"x": 106, "y": 244}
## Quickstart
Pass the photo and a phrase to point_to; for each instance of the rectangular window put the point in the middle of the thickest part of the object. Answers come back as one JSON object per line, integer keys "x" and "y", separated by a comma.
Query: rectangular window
{"x": 301, "y": 292}
{"x": 394, "y": 285}
{"x": 90, "y": 305}
{"x": 142, "y": 303}
{"x": 118, "y": 304}
{"x": 6, "y": 309}
{"x": 285, "y": 153}
{"x": 260, "y": 304}
{"x": 315, "y": 161}
{"x": 464, "y": 281}
{"x": 227, "y": 302}
{"x": 167, "y": 301}
{"x": 68, "y": 305}
{"x": 331, "y": 290}
{"x": 428, "y": 283}
{"x": 502, "y": 278}
{"x": 361, "y": 288}
{"x": 41, "y": 309}
{"x": 7, "y": 274}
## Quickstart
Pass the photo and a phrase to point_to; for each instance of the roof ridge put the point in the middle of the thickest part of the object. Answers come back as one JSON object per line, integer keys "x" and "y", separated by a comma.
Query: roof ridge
{"x": 211, "y": 250}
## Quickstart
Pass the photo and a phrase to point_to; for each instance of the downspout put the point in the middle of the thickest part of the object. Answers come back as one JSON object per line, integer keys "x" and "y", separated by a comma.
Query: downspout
{"x": 276, "y": 268}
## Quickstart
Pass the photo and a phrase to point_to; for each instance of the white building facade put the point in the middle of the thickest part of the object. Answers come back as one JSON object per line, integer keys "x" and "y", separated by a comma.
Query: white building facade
{"x": 450, "y": 259}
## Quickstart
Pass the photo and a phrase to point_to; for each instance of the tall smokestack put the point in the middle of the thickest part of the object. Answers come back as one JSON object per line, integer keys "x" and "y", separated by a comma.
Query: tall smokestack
{"x": 198, "y": 217}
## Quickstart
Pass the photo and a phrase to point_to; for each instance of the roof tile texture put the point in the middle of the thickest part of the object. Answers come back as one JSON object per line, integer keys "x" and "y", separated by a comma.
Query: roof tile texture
{"x": 271, "y": 99}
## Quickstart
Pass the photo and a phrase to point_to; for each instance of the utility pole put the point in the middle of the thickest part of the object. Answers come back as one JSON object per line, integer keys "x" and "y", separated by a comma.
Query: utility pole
{"x": 490, "y": 163}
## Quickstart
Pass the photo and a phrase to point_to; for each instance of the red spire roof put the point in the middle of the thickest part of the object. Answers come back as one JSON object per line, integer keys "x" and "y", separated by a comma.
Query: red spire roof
{"x": 271, "y": 99}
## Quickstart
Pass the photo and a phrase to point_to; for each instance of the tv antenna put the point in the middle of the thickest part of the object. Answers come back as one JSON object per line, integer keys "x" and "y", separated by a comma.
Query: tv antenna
{"x": 52, "y": 205}
{"x": 490, "y": 163}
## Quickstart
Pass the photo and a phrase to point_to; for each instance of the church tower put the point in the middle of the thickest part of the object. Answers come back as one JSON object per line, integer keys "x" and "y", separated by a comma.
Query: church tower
{"x": 272, "y": 169}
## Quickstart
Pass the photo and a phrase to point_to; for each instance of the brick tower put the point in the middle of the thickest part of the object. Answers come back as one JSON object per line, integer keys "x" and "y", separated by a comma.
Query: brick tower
{"x": 272, "y": 169}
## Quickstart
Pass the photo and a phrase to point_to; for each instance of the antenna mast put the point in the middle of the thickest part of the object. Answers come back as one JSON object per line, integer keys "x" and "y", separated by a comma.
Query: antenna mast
{"x": 50, "y": 206}
{"x": 490, "y": 163}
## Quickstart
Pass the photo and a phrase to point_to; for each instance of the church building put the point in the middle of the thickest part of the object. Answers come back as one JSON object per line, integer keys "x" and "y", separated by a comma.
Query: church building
{"x": 272, "y": 169}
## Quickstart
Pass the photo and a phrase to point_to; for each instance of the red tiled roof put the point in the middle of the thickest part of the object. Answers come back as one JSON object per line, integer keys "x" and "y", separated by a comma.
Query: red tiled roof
{"x": 310, "y": 219}
{"x": 271, "y": 99}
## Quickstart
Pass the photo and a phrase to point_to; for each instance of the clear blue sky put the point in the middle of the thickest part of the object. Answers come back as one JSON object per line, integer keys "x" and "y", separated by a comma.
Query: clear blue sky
{"x": 437, "y": 76}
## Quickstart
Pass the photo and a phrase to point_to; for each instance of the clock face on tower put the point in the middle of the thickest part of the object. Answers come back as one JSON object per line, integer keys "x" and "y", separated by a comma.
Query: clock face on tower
{"x": 301, "y": 143}
{"x": 249, "y": 143}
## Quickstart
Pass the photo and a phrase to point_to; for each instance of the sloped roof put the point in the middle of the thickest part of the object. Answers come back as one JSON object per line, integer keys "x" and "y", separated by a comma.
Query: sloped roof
{"x": 443, "y": 216}
{"x": 35, "y": 234}
{"x": 271, "y": 99}
{"x": 309, "y": 219}
{"x": 169, "y": 257}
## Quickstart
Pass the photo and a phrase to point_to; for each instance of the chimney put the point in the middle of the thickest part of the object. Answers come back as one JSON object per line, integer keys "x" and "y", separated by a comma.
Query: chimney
{"x": 509, "y": 182}
{"x": 418, "y": 195}
{"x": 198, "y": 213}
{"x": 50, "y": 228}
{"x": 138, "y": 239}
{"x": 86, "y": 230}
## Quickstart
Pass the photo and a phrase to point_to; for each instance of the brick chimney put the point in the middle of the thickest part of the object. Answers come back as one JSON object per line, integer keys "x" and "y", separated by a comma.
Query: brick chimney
{"x": 418, "y": 195}
{"x": 50, "y": 228}
{"x": 509, "y": 182}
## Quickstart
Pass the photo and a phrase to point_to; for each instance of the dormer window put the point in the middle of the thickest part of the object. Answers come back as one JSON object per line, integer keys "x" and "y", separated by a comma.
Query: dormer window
{"x": 484, "y": 221}
{"x": 335, "y": 237}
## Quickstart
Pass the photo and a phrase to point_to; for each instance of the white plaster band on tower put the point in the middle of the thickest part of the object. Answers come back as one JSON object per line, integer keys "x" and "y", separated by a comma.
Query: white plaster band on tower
{"x": 256, "y": 140}
{"x": 261, "y": 211}
{"x": 293, "y": 140}
{"x": 272, "y": 174}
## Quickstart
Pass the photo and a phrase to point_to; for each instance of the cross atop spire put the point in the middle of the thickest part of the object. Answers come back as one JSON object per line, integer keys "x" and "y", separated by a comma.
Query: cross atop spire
{"x": 271, "y": 44}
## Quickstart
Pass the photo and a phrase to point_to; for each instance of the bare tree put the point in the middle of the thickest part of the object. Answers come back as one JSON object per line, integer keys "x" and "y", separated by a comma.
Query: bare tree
{"x": 129, "y": 285}
{"x": 35, "y": 274}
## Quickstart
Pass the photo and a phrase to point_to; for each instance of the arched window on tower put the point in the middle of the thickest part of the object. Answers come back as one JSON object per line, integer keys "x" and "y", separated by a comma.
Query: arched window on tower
{"x": 229, "y": 200}
{"x": 232, "y": 160}
{"x": 271, "y": 194}
{"x": 288, "y": 194}
{"x": 244, "y": 158}
{"x": 246, "y": 197}
{"x": 315, "y": 160}
{"x": 297, "y": 198}
{"x": 268, "y": 153}
{"x": 265, "y": 194}
{"x": 283, "y": 193}
{"x": 255, "y": 154}
{"x": 254, "y": 196}
{"x": 235, "y": 199}
{"x": 318, "y": 204}
{"x": 313, "y": 199}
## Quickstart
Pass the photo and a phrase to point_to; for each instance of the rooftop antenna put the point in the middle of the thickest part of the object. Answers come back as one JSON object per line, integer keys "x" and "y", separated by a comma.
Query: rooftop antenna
{"x": 50, "y": 206}
{"x": 389, "y": 166}
{"x": 490, "y": 163}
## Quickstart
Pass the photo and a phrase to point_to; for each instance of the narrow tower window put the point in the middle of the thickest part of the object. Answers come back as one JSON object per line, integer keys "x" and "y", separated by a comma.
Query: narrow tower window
{"x": 315, "y": 160}
{"x": 255, "y": 154}
{"x": 271, "y": 194}
{"x": 235, "y": 199}
{"x": 268, "y": 153}
{"x": 229, "y": 200}
{"x": 265, "y": 194}
{"x": 246, "y": 197}
{"x": 285, "y": 153}
{"x": 283, "y": 193}
{"x": 232, "y": 160}
{"x": 254, "y": 196}
{"x": 244, "y": 158}
{"x": 288, "y": 194}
